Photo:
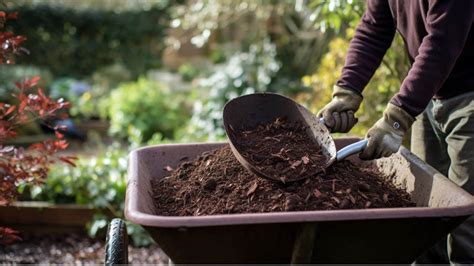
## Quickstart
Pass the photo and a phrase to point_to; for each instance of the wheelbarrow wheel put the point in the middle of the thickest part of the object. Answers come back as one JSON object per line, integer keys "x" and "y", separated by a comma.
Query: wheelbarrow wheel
{"x": 116, "y": 244}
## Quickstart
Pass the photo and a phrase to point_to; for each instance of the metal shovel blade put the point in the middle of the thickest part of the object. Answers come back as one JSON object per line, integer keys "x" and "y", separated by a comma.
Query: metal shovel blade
{"x": 249, "y": 111}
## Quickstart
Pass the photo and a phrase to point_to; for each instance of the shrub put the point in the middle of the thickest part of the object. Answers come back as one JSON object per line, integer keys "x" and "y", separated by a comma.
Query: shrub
{"x": 244, "y": 73}
{"x": 85, "y": 99}
{"x": 18, "y": 164}
{"x": 188, "y": 72}
{"x": 98, "y": 182}
{"x": 9, "y": 74}
{"x": 146, "y": 107}
{"x": 73, "y": 42}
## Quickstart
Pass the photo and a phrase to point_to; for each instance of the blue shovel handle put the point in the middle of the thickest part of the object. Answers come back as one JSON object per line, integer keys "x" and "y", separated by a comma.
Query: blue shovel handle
{"x": 349, "y": 149}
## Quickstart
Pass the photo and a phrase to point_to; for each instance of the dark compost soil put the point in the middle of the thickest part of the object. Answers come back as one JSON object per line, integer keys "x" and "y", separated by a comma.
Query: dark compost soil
{"x": 281, "y": 150}
{"x": 216, "y": 183}
{"x": 72, "y": 249}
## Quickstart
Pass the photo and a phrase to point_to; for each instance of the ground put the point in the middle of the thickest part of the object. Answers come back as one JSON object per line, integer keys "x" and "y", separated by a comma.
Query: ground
{"x": 72, "y": 249}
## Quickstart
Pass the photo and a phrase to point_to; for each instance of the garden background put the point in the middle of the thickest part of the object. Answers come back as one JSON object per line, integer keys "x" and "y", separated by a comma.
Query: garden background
{"x": 147, "y": 72}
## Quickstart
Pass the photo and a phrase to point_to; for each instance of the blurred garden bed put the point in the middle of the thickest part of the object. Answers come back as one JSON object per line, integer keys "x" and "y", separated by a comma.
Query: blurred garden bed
{"x": 44, "y": 218}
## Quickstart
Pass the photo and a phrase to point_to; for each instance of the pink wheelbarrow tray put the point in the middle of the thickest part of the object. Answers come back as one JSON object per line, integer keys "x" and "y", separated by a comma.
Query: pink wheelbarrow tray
{"x": 395, "y": 235}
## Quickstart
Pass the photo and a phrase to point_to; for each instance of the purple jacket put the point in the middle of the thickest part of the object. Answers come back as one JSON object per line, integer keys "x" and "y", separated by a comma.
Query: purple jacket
{"x": 439, "y": 38}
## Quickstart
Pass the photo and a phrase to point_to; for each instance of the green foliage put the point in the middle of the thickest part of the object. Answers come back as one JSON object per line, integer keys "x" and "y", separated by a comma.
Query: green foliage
{"x": 145, "y": 107}
{"x": 336, "y": 15}
{"x": 244, "y": 73}
{"x": 99, "y": 182}
{"x": 115, "y": 5}
{"x": 89, "y": 97}
{"x": 300, "y": 30}
{"x": 77, "y": 42}
{"x": 84, "y": 99}
{"x": 109, "y": 77}
{"x": 217, "y": 56}
{"x": 188, "y": 72}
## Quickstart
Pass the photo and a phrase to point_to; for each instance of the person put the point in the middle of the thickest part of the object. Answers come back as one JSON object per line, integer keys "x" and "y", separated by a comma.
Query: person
{"x": 438, "y": 91}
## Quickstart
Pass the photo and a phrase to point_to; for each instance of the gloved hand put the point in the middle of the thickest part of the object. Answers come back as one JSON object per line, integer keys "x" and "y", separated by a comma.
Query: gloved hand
{"x": 386, "y": 135}
{"x": 339, "y": 113}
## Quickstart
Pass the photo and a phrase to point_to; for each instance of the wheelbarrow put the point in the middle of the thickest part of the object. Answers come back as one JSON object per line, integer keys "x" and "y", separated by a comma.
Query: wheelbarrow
{"x": 385, "y": 235}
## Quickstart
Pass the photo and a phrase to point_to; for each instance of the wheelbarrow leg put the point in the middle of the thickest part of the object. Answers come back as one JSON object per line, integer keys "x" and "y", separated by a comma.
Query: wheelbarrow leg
{"x": 116, "y": 244}
{"x": 304, "y": 243}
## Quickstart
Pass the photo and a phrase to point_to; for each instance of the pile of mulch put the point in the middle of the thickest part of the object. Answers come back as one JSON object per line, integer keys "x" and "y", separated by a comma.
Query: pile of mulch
{"x": 216, "y": 183}
{"x": 71, "y": 249}
{"x": 281, "y": 150}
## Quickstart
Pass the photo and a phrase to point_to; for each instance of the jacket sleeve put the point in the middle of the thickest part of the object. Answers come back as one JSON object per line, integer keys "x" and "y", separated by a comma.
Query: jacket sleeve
{"x": 372, "y": 38}
{"x": 448, "y": 26}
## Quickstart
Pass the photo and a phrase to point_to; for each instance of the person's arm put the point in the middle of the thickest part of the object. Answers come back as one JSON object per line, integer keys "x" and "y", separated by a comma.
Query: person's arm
{"x": 372, "y": 38}
{"x": 448, "y": 26}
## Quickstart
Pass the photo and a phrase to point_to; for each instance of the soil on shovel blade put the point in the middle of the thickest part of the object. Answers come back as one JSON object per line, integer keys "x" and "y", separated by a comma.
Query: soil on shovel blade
{"x": 216, "y": 183}
{"x": 282, "y": 149}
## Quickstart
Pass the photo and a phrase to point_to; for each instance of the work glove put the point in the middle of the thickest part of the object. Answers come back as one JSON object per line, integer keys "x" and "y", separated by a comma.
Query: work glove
{"x": 386, "y": 135}
{"x": 339, "y": 113}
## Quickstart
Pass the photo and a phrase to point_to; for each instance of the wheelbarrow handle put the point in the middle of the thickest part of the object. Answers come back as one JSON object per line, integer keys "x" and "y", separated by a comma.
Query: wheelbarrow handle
{"x": 349, "y": 149}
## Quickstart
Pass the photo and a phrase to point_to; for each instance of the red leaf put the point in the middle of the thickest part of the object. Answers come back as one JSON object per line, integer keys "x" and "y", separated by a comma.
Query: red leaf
{"x": 61, "y": 144}
{"x": 16, "y": 41}
{"x": 37, "y": 146}
{"x": 41, "y": 94}
{"x": 26, "y": 83}
{"x": 58, "y": 134}
{"x": 33, "y": 82}
{"x": 10, "y": 110}
{"x": 23, "y": 104}
{"x": 8, "y": 236}
{"x": 2, "y": 14}
{"x": 12, "y": 134}
{"x": 13, "y": 15}
{"x": 67, "y": 160}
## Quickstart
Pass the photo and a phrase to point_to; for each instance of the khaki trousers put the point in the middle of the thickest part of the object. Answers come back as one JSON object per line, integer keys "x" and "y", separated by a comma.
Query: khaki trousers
{"x": 443, "y": 136}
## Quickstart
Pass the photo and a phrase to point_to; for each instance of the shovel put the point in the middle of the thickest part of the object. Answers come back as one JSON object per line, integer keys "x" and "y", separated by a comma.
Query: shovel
{"x": 247, "y": 112}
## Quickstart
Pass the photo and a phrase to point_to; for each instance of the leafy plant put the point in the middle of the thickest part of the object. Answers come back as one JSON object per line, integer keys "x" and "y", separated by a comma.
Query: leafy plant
{"x": 300, "y": 30}
{"x": 98, "y": 182}
{"x": 336, "y": 15}
{"x": 17, "y": 164}
{"x": 244, "y": 73}
{"x": 217, "y": 56}
{"x": 85, "y": 99}
{"x": 188, "y": 72}
{"x": 77, "y": 42}
{"x": 146, "y": 107}
{"x": 9, "y": 74}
